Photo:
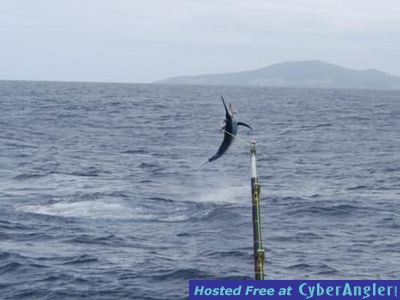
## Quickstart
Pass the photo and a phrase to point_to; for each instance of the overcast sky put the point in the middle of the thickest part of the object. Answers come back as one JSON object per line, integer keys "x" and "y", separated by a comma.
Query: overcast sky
{"x": 143, "y": 41}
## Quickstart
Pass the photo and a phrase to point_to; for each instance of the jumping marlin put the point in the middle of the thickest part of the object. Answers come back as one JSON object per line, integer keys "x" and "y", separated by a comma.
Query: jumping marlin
{"x": 230, "y": 129}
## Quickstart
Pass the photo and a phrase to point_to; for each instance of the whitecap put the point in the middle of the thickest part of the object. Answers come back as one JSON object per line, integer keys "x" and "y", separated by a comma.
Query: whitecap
{"x": 89, "y": 209}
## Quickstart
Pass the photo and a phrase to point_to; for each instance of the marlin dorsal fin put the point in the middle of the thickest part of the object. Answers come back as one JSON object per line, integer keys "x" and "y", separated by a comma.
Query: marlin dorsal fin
{"x": 245, "y": 125}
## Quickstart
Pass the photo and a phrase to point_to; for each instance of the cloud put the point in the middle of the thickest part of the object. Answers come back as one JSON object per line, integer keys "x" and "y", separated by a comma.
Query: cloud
{"x": 125, "y": 40}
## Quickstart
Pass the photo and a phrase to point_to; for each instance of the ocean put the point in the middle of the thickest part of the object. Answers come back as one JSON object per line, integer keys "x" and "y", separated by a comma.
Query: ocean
{"x": 101, "y": 196}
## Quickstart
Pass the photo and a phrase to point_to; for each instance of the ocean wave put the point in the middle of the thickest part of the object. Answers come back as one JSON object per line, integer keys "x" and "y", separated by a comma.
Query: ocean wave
{"x": 82, "y": 259}
{"x": 333, "y": 211}
{"x": 232, "y": 253}
{"x": 99, "y": 240}
{"x": 215, "y": 213}
{"x": 7, "y": 225}
{"x": 358, "y": 187}
{"x": 181, "y": 274}
{"x": 135, "y": 151}
{"x": 315, "y": 269}
{"x": 145, "y": 165}
{"x": 10, "y": 267}
{"x": 15, "y": 265}
{"x": 27, "y": 176}
{"x": 162, "y": 199}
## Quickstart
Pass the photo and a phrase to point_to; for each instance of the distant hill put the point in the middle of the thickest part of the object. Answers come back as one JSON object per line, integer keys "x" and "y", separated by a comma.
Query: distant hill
{"x": 310, "y": 73}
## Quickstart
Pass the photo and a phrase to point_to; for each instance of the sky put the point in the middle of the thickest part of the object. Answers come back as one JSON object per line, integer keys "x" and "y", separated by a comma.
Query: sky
{"x": 148, "y": 40}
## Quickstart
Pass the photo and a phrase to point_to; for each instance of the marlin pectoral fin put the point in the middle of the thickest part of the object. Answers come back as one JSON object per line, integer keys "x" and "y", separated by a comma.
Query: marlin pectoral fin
{"x": 245, "y": 125}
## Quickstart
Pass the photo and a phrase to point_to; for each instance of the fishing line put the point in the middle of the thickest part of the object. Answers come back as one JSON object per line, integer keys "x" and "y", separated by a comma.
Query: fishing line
{"x": 238, "y": 138}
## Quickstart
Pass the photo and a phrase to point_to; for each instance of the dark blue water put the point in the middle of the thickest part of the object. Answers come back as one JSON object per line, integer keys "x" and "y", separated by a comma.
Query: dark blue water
{"x": 100, "y": 197}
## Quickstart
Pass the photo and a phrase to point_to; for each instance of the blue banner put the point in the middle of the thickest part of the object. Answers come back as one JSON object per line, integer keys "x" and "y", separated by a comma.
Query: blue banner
{"x": 294, "y": 289}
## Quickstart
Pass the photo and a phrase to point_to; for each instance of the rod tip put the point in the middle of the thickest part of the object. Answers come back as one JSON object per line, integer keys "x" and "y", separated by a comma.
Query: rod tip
{"x": 253, "y": 147}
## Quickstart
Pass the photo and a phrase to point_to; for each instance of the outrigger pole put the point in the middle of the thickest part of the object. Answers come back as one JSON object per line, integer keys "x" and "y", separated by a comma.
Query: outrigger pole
{"x": 259, "y": 253}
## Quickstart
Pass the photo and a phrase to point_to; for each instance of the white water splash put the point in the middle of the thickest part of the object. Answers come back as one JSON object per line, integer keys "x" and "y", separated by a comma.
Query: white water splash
{"x": 224, "y": 194}
{"x": 89, "y": 209}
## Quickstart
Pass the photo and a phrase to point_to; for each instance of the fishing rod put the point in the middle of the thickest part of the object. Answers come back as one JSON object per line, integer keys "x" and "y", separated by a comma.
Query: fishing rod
{"x": 259, "y": 253}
